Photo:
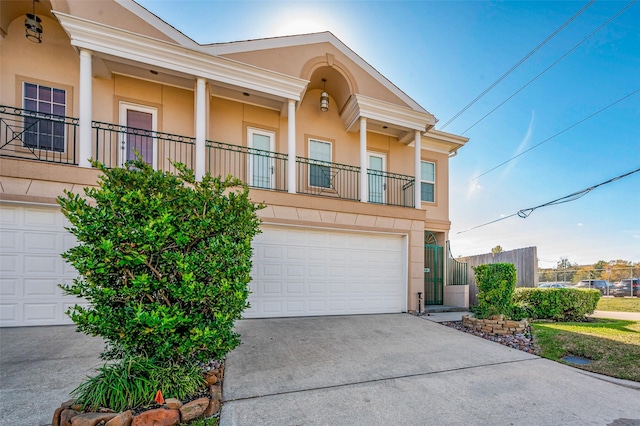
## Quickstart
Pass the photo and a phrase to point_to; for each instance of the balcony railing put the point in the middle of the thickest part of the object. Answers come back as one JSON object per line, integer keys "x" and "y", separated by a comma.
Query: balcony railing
{"x": 257, "y": 168}
{"x": 32, "y": 135}
{"x": 115, "y": 145}
{"x": 51, "y": 138}
{"x": 329, "y": 179}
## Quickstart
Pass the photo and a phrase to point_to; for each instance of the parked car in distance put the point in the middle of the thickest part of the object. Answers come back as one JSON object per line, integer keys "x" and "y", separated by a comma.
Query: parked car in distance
{"x": 604, "y": 286}
{"x": 623, "y": 288}
{"x": 552, "y": 285}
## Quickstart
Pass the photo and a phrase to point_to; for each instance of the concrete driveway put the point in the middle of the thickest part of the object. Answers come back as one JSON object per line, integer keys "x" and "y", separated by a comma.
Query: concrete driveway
{"x": 400, "y": 370}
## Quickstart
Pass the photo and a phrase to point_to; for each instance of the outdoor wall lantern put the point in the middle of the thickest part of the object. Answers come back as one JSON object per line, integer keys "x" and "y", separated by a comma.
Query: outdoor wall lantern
{"x": 324, "y": 97}
{"x": 33, "y": 26}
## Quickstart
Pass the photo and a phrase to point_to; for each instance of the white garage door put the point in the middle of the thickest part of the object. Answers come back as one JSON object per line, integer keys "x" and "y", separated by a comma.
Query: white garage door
{"x": 31, "y": 240}
{"x": 309, "y": 272}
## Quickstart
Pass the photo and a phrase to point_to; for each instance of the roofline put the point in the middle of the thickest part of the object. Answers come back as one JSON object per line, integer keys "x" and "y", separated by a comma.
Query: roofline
{"x": 158, "y": 23}
{"x": 305, "y": 39}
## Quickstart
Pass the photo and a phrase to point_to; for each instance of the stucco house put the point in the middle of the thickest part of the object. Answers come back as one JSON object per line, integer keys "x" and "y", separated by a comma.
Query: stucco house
{"x": 354, "y": 175}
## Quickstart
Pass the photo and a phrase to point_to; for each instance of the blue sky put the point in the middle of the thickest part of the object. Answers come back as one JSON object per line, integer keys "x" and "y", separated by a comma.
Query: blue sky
{"x": 445, "y": 53}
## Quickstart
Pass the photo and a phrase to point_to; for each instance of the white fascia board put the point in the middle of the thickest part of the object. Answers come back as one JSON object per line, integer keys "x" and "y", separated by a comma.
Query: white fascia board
{"x": 442, "y": 142}
{"x": 153, "y": 20}
{"x": 386, "y": 112}
{"x": 306, "y": 39}
{"x": 119, "y": 43}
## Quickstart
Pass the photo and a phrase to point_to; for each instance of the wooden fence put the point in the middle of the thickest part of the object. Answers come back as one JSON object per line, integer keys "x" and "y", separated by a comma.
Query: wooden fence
{"x": 524, "y": 259}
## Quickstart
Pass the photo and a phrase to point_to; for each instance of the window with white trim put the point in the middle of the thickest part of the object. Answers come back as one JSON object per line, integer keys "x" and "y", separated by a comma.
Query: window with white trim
{"x": 427, "y": 181}
{"x": 46, "y": 129}
{"x": 319, "y": 174}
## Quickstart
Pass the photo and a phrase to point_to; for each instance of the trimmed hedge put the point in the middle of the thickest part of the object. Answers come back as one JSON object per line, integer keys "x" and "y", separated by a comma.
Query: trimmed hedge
{"x": 560, "y": 304}
{"x": 496, "y": 283}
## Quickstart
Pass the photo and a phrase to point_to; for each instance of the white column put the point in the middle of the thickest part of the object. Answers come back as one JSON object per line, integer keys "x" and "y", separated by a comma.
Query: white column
{"x": 417, "y": 157}
{"x": 85, "y": 114}
{"x": 364, "y": 181}
{"x": 291, "y": 147}
{"x": 201, "y": 127}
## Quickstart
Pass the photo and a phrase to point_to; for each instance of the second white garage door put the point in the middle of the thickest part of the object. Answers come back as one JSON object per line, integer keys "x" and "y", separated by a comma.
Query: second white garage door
{"x": 310, "y": 272}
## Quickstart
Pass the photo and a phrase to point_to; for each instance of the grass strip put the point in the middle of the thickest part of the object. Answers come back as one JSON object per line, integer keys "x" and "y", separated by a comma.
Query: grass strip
{"x": 613, "y": 346}
{"x": 619, "y": 304}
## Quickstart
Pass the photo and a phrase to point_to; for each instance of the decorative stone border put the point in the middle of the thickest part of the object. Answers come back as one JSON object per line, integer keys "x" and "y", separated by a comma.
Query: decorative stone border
{"x": 173, "y": 412}
{"x": 496, "y": 325}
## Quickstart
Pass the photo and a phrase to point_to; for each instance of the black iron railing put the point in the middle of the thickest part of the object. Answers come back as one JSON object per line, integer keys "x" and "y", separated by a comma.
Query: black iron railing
{"x": 329, "y": 179}
{"x": 115, "y": 144}
{"x": 45, "y": 137}
{"x": 390, "y": 188}
{"x": 458, "y": 271}
{"x": 32, "y": 135}
{"x": 256, "y": 167}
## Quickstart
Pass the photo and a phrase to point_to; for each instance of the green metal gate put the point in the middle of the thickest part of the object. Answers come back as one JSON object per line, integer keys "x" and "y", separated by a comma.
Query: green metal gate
{"x": 433, "y": 270}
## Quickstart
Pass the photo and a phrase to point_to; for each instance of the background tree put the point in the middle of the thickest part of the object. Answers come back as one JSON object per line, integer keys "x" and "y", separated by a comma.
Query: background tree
{"x": 497, "y": 249}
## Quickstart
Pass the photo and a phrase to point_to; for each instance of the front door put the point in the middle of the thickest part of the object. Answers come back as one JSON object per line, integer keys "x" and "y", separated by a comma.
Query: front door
{"x": 377, "y": 182}
{"x": 433, "y": 270}
{"x": 261, "y": 165}
{"x": 140, "y": 122}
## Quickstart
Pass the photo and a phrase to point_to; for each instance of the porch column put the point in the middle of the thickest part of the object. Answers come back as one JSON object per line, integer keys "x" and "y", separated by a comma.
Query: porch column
{"x": 364, "y": 182}
{"x": 417, "y": 157}
{"x": 291, "y": 147}
{"x": 201, "y": 128}
{"x": 85, "y": 114}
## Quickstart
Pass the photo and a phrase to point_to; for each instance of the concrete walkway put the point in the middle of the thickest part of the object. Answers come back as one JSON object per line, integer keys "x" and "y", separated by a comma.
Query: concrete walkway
{"x": 631, "y": 316}
{"x": 399, "y": 369}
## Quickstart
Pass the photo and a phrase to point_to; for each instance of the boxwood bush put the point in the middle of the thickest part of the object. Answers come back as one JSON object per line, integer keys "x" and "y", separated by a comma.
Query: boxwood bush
{"x": 163, "y": 260}
{"x": 560, "y": 304}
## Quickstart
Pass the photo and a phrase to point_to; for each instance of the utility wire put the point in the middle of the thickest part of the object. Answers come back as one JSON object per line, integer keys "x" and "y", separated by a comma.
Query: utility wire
{"x": 527, "y": 56}
{"x": 525, "y": 213}
{"x": 550, "y": 66}
{"x": 552, "y": 137}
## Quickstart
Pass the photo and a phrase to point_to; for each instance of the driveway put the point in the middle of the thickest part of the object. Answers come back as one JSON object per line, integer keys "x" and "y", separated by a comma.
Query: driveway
{"x": 399, "y": 369}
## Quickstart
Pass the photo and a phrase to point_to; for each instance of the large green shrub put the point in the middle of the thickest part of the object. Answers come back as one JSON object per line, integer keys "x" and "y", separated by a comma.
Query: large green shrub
{"x": 560, "y": 304}
{"x": 496, "y": 283}
{"x": 163, "y": 260}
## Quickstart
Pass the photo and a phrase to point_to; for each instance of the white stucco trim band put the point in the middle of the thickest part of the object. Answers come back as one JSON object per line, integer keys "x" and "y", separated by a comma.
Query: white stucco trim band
{"x": 103, "y": 39}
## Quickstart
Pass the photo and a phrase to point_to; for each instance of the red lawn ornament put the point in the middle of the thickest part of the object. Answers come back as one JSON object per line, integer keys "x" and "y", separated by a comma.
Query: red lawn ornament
{"x": 159, "y": 398}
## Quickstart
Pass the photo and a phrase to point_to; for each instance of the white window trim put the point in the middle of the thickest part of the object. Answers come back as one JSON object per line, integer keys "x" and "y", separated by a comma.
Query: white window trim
{"x": 427, "y": 181}
{"x": 123, "y": 108}
{"x": 64, "y": 128}
{"x": 311, "y": 159}
{"x": 272, "y": 141}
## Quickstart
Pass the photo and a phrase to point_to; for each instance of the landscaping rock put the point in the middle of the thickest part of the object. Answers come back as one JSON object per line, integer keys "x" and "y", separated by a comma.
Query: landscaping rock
{"x": 56, "y": 417}
{"x": 66, "y": 415}
{"x": 157, "y": 417}
{"x": 122, "y": 419}
{"x": 194, "y": 409}
{"x": 212, "y": 378}
{"x": 216, "y": 392}
{"x": 173, "y": 403}
{"x": 91, "y": 419}
{"x": 214, "y": 407}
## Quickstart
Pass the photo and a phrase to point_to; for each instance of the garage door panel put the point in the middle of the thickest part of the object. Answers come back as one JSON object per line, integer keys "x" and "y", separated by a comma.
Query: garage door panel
{"x": 326, "y": 272}
{"x": 33, "y": 237}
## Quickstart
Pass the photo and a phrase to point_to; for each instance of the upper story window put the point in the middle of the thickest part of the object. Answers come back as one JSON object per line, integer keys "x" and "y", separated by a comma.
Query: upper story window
{"x": 320, "y": 175}
{"x": 427, "y": 181}
{"x": 44, "y": 131}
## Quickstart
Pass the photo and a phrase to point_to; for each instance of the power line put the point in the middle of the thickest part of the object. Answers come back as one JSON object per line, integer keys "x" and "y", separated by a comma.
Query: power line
{"x": 525, "y": 213}
{"x": 527, "y": 56}
{"x": 553, "y": 136}
{"x": 550, "y": 66}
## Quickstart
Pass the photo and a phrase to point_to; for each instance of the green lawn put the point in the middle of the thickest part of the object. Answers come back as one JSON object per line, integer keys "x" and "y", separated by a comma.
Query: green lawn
{"x": 619, "y": 304}
{"x": 612, "y": 345}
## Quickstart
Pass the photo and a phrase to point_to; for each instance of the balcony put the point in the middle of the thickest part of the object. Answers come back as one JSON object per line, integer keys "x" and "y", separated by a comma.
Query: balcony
{"x": 43, "y": 137}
